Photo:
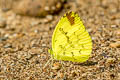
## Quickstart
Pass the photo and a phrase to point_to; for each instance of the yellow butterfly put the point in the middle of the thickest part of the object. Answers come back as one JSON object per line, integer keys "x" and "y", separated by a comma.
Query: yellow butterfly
{"x": 70, "y": 40}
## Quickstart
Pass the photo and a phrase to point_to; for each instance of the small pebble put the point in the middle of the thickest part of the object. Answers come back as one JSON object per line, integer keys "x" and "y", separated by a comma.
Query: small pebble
{"x": 2, "y": 23}
{"x": 74, "y": 73}
{"x": 117, "y": 32}
{"x": 89, "y": 30}
{"x": 8, "y": 46}
{"x": 110, "y": 60}
{"x": 3, "y": 38}
{"x": 115, "y": 45}
{"x": 36, "y": 31}
{"x": 118, "y": 76}
{"x": 93, "y": 38}
{"x": 43, "y": 56}
{"x": 34, "y": 23}
{"x": 46, "y": 8}
{"x": 59, "y": 5}
{"x": 61, "y": 75}
{"x": 7, "y": 35}
{"x": 43, "y": 45}
{"x": 56, "y": 66}
{"x": 113, "y": 26}
{"x": 41, "y": 50}
{"x": 0, "y": 61}
{"x": 49, "y": 17}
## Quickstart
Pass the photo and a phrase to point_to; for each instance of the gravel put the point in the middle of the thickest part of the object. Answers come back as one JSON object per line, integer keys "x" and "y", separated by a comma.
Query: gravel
{"x": 25, "y": 40}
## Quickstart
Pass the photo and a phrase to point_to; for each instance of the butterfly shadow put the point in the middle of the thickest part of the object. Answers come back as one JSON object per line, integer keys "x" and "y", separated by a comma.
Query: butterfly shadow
{"x": 88, "y": 63}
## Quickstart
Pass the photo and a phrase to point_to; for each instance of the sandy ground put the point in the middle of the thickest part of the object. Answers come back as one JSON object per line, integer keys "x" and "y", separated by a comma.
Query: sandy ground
{"x": 25, "y": 40}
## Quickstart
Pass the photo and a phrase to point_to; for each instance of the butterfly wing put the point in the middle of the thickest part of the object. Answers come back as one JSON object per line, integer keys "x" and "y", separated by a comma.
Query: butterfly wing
{"x": 70, "y": 40}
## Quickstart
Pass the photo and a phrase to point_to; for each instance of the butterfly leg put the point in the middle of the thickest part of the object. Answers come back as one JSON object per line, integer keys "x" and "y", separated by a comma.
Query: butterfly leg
{"x": 47, "y": 63}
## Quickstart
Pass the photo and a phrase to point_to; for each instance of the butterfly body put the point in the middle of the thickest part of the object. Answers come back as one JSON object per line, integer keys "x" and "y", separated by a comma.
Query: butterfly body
{"x": 70, "y": 40}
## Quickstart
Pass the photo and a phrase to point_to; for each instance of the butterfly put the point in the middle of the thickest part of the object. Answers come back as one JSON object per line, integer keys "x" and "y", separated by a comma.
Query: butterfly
{"x": 70, "y": 39}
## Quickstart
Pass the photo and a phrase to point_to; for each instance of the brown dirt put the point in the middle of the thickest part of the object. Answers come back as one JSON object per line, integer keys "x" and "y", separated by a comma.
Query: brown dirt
{"x": 25, "y": 40}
